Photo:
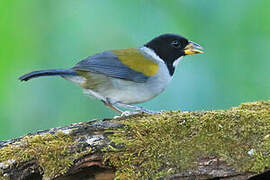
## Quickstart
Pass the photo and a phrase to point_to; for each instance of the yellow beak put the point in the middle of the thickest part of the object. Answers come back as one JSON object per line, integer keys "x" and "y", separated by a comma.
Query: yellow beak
{"x": 193, "y": 48}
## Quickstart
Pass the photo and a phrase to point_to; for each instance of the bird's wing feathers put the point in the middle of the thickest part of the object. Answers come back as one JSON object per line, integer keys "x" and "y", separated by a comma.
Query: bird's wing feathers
{"x": 127, "y": 64}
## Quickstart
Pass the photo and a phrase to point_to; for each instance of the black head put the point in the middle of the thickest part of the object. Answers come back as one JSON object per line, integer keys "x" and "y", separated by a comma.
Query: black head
{"x": 170, "y": 47}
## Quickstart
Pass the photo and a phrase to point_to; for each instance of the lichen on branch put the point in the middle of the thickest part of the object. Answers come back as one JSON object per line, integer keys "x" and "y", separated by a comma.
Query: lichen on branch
{"x": 53, "y": 153}
{"x": 173, "y": 142}
{"x": 149, "y": 146}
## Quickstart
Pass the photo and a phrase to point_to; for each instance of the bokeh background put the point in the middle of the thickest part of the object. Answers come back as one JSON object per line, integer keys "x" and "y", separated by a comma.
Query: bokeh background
{"x": 38, "y": 34}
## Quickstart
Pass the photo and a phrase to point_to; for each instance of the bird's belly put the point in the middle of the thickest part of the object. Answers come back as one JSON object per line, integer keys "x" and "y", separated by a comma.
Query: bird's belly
{"x": 129, "y": 92}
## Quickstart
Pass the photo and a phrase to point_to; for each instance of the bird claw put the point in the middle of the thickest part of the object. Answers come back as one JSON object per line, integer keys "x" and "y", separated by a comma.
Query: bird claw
{"x": 128, "y": 113}
{"x": 153, "y": 112}
{"x": 146, "y": 111}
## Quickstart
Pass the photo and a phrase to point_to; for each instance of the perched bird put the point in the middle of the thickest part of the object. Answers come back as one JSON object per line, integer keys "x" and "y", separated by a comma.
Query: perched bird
{"x": 121, "y": 78}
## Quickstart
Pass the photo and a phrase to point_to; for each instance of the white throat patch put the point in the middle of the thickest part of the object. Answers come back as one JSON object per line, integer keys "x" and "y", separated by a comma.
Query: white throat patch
{"x": 175, "y": 63}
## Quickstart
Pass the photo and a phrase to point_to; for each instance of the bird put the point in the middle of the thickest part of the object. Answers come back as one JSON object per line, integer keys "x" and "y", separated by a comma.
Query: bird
{"x": 122, "y": 78}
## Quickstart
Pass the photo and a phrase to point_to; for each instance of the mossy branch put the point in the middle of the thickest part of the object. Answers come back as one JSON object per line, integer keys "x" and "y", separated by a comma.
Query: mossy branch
{"x": 232, "y": 143}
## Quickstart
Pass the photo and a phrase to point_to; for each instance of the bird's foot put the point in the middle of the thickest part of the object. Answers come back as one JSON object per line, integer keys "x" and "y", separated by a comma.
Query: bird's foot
{"x": 126, "y": 114}
{"x": 137, "y": 109}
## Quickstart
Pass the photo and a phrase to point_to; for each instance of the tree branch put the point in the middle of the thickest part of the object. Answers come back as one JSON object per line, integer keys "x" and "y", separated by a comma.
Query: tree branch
{"x": 231, "y": 144}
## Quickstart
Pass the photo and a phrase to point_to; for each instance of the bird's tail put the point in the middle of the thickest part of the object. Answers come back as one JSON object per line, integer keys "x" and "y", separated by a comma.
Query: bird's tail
{"x": 50, "y": 72}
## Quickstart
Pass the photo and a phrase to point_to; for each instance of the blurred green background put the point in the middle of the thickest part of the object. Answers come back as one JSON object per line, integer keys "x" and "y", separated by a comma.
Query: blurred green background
{"x": 38, "y": 34}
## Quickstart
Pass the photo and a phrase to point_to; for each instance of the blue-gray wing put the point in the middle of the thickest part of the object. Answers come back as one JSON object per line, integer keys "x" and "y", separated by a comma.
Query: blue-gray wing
{"x": 108, "y": 64}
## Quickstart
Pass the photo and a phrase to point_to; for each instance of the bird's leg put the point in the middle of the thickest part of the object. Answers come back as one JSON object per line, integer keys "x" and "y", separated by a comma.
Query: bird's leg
{"x": 136, "y": 108}
{"x": 113, "y": 105}
{"x": 108, "y": 104}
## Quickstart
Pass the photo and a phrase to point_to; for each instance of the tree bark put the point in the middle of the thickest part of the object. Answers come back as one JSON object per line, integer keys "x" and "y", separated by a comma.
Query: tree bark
{"x": 228, "y": 144}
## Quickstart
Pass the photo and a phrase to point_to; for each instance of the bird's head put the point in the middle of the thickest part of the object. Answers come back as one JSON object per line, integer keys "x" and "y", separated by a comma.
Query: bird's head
{"x": 171, "y": 47}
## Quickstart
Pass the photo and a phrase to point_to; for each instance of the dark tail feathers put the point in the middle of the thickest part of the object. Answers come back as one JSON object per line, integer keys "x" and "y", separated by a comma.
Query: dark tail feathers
{"x": 50, "y": 72}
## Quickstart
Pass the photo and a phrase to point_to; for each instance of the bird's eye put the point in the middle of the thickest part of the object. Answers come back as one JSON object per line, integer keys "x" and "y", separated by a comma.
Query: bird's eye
{"x": 176, "y": 44}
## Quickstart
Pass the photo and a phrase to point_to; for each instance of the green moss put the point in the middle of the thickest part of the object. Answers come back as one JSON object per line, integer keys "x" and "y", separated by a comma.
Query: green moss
{"x": 159, "y": 145}
{"x": 162, "y": 144}
{"x": 2, "y": 177}
{"x": 53, "y": 152}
